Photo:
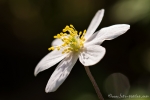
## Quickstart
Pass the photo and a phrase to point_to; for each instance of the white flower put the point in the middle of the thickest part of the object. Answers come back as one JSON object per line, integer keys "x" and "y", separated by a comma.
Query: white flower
{"x": 70, "y": 47}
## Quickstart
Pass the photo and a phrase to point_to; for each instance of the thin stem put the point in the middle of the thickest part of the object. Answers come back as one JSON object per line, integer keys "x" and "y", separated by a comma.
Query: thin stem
{"x": 94, "y": 83}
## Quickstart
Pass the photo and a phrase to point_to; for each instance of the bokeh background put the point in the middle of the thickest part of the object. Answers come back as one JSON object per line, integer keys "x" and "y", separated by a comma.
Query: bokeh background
{"x": 27, "y": 28}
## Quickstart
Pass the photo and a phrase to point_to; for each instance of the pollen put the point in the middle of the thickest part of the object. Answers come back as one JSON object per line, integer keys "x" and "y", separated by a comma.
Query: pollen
{"x": 72, "y": 40}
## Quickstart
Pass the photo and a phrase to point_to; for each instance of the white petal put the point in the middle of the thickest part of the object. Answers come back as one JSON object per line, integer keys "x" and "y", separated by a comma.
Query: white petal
{"x": 49, "y": 60}
{"x": 61, "y": 72}
{"x": 92, "y": 55}
{"x": 57, "y": 42}
{"x": 107, "y": 33}
{"x": 92, "y": 37}
{"x": 94, "y": 23}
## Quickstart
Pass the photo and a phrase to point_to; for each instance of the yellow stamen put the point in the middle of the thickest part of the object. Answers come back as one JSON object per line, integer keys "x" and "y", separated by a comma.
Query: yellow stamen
{"x": 51, "y": 48}
{"x": 73, "y": 41}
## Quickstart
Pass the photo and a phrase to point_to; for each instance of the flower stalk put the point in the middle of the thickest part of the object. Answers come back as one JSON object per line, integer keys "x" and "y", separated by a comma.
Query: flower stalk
{"x": 87, "y": 69}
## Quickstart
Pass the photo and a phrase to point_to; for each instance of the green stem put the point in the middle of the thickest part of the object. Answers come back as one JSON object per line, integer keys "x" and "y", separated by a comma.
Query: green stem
{"x": 94, "y": 83}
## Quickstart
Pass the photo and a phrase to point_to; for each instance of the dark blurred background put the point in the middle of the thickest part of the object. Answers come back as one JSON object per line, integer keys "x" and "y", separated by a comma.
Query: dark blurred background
{"x": 27, "y": 28}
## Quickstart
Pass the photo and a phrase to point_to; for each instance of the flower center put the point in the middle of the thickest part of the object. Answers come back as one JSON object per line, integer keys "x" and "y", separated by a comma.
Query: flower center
{"x": 73, "y": 41}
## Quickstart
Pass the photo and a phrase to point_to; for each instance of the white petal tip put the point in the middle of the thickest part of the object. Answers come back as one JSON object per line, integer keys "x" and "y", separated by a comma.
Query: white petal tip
{"x": 35, "y": 74}
{"x": 127, "y": 25}
{"x": 101, "y": 11}
{"x": 48, "y": 90}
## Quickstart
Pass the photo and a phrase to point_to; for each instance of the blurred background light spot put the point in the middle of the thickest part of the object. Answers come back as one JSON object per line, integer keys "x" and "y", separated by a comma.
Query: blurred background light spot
{"x": 117, "y": 83}
{"x": 130, "y": 11}
{"x": 86, "y": 96}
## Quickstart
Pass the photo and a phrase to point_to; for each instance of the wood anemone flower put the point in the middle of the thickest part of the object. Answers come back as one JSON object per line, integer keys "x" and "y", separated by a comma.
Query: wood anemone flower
{"x": 70, "y": 45}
